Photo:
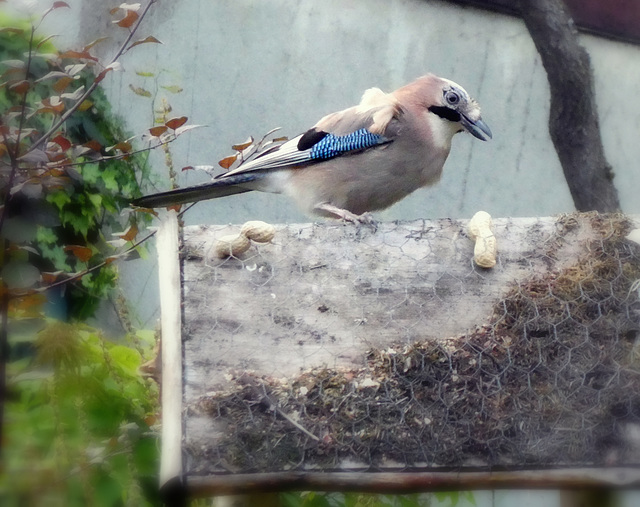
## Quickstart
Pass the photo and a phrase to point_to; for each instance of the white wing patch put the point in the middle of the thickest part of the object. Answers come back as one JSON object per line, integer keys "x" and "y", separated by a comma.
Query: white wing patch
{"x": 286, "y": 155}
{"x": 387, "y": 105}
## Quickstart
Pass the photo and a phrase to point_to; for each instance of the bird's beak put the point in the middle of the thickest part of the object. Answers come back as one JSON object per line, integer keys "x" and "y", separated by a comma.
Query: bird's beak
{"x": 476, "y": 128}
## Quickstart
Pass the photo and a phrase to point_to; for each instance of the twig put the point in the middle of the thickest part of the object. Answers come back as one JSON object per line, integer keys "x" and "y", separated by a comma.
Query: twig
{"x": 4, "y": 293}
{"x": 111, "y": 157}
{"x": 94, "y": 85}
{"x": 98, "y": 266}
{"x": 283, "y": 414}
{"x": 102, "y": 264}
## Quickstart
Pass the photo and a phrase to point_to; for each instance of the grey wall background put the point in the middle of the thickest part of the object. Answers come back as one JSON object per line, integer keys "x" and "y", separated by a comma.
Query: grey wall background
{"x": 246, "y": 66}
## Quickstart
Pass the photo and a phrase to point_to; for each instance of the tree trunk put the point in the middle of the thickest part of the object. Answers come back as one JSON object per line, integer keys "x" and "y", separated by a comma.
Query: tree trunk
{"x": 573, "y": 119}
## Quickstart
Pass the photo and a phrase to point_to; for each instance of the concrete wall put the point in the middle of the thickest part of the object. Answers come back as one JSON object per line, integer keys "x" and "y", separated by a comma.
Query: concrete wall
{"x": 247, "y": 66}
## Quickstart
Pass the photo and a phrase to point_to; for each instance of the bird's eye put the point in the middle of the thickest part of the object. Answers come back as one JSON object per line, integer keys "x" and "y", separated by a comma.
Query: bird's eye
{"x": 452, "y": 98}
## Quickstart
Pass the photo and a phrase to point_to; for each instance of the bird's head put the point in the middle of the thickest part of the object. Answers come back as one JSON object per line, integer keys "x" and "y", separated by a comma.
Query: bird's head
{"x": 453, "y": 104}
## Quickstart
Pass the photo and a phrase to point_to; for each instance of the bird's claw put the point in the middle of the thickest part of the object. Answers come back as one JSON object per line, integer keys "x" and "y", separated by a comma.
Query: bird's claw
{"x": 368, "y": 220}
{"x": 346, "y": 215}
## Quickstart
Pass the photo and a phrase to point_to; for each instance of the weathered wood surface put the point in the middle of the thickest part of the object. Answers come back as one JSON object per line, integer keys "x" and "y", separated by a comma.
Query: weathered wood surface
{"x": 168, "y": 242}
{"x": 406, "y": 482}
{"x": 324, "y": 295}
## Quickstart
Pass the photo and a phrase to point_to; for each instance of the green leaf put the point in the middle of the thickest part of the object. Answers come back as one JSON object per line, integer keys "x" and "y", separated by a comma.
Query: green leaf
{"x": 96, "y": 200}
{"x": 109, "y": 178}
{"x": 453, "y": 496}
{"x": 147, "y": 337}
{"x": 56, "y": 254}
{"x": 46, "y": 235}
{"x": 60, "y": 199}
{"x": 172, "y": 89}
{"x": 140, "y": 91}
{"x": 90, "y": 173}
{"x": 80, "y": 223}
{"x": 126, "y": 358}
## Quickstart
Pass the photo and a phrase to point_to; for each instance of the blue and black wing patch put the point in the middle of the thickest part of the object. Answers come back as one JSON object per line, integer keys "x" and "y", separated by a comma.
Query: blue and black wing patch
{"x": 322, "y": 145}
{"x": 312, "y": 146}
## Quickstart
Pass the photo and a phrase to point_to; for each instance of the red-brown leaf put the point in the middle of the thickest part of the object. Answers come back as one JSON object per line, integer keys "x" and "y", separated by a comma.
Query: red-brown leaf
{"x": 61, "y": 84}
{"x": 228, "y": 161}
{"x": 20, "y": 87}
{"x": 151, "y": 38}
{"x": 128, "y": 235}
{"x": 128, "y": 20}
{"x": 49, "y": 277}
{"x": 175, "y": 123}
{"x": 62, "y": 141}
{"x": 157, "y": 131}
{"x": 54, "y": 172}
{"x": 83, "y": 253}
{"x": 102, "y": 75}
{"x": 82, "y": 55}
{"x": 93, "y": 145}
{"x": 56, "y": 5}
{"x": 124, "y": 146}
{"x": 52, "y": 104}
{"x": 57, "y": 157}
{"x": 242, "y": 146}
{"x": 93, "y": 43}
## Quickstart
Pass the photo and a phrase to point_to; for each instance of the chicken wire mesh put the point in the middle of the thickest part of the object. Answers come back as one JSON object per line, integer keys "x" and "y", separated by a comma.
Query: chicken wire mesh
{"x": 339, "y": 348}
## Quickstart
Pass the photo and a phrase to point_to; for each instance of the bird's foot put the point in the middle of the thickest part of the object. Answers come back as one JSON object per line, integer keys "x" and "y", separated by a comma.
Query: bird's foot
{"x": 368, "y": 220}
{"x": 343, "y": 214}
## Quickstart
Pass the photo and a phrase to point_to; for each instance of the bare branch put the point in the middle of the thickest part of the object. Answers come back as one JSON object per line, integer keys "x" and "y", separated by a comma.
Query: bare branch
{"x": 94, "y": 85}
{"x": 573, "y": 119}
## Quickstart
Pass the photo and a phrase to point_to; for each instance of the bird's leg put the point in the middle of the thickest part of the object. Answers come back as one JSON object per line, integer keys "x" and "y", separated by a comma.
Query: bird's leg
{"x": 347, "y": 216}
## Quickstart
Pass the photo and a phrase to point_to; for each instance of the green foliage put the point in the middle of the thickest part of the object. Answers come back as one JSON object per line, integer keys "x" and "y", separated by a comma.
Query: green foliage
{"x": 82, "y": 199}
{"x": 78, "y": 416}
{"x": 78, "y": 425}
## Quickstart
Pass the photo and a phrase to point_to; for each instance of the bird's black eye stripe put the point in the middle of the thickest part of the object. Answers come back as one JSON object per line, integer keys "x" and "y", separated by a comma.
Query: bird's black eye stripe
{"x": 445, "y": 112}
{"x": 310, "y": 138}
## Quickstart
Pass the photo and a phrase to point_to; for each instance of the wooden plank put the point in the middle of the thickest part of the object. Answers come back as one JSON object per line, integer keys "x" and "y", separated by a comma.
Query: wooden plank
{"x": 409, "y": 482}
{"x": 323, "y": 294}
{"x": 306, "y": 311}
{"x": 171, "y": 321}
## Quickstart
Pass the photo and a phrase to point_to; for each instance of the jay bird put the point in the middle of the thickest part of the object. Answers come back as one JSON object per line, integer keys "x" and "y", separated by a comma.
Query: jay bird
{"x": 364, "y": 158}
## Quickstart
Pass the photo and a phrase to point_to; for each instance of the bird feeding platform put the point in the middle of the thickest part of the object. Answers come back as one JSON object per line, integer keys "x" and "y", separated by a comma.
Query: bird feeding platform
{"x": 338, "y": 357}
